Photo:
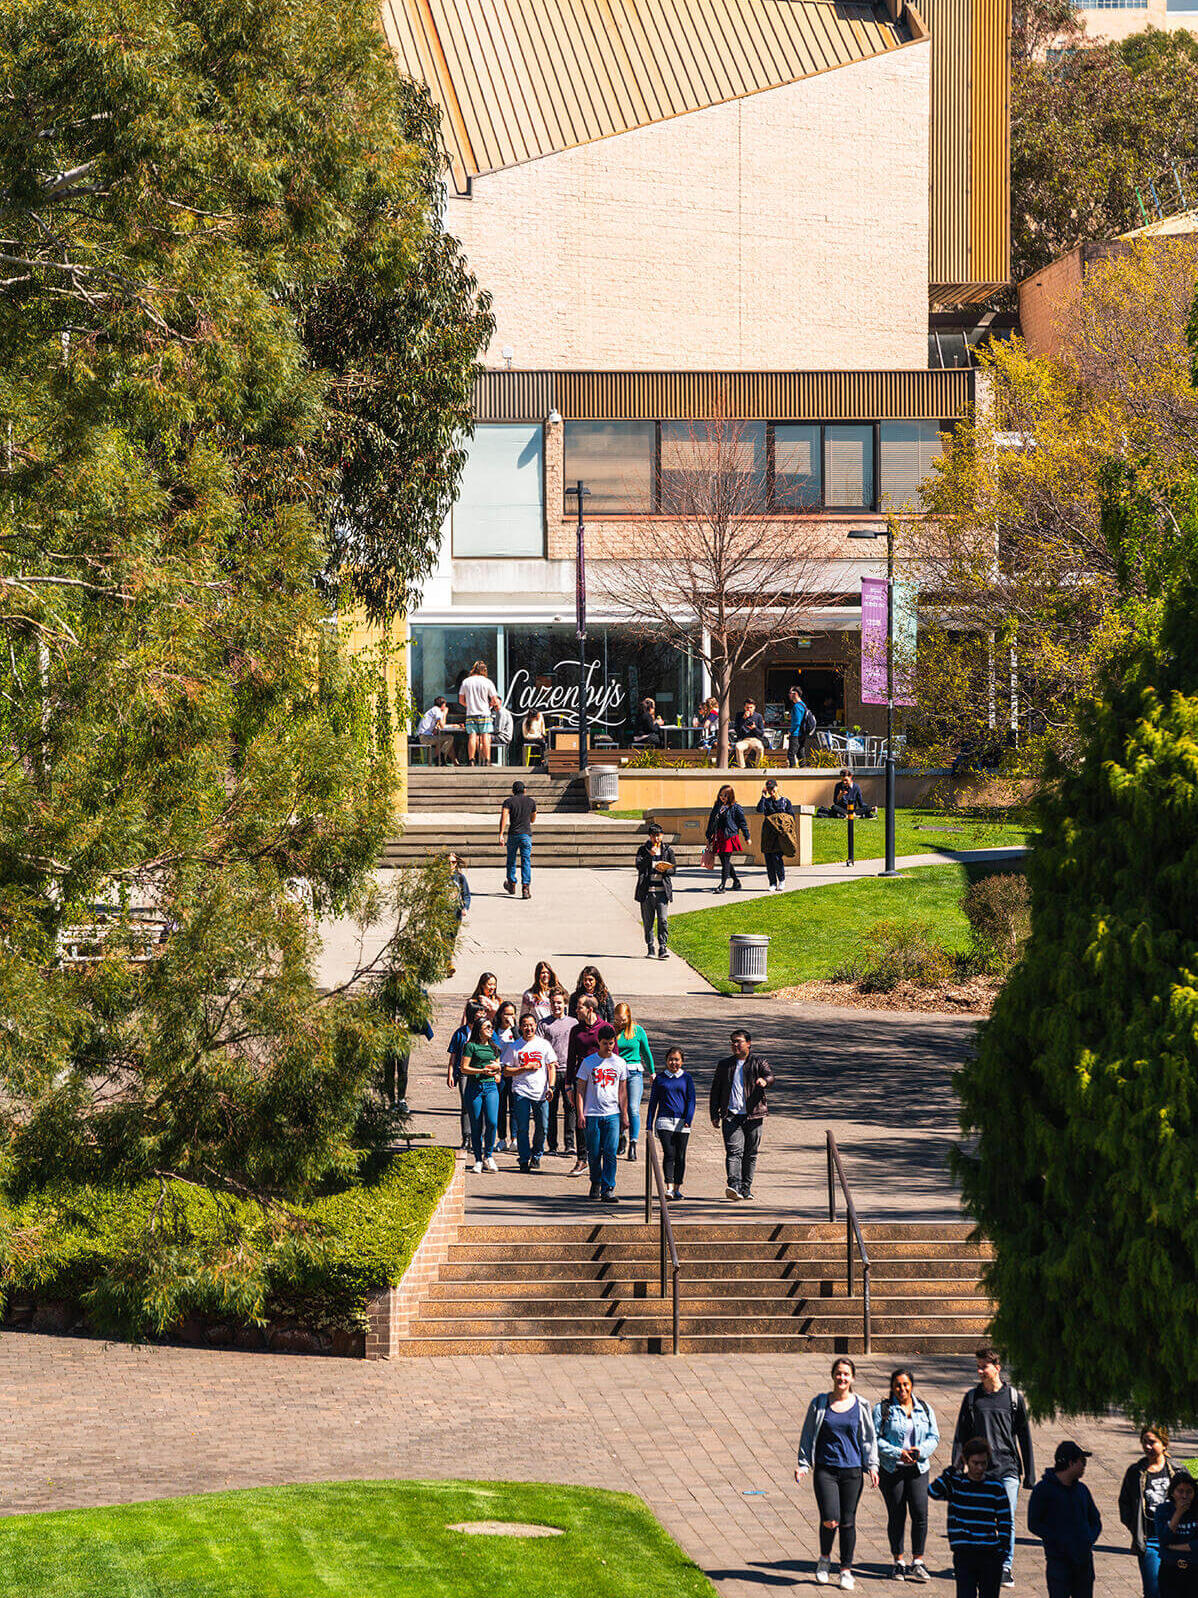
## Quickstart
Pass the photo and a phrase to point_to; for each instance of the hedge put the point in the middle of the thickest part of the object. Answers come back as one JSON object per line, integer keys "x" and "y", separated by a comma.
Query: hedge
{"x": 63, "y": 1244}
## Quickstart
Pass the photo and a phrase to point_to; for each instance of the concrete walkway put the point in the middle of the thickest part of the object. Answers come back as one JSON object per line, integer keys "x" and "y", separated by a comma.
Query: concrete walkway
{"x": 707, "y": 1441}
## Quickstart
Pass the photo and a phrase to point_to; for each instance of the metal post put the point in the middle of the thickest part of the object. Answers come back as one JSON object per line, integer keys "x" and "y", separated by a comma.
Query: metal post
{"x": 865, "y": 1308}
{"x": 891, "y": 870}
{"x": 848, "y": 1248}
{"x": 663, "y": 1254}
{"x": 648, "y": 1190}
{"x": 852, "y": 845}
{"x": 831, "y": 1180}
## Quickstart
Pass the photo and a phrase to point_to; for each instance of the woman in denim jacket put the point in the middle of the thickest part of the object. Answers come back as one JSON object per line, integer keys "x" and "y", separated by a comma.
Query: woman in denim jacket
{"x": 907, "y": 1439}
{"x": 838, "y": 1441}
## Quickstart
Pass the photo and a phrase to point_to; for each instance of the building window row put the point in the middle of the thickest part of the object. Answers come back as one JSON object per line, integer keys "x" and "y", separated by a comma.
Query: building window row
{"x": 632, "y": 468}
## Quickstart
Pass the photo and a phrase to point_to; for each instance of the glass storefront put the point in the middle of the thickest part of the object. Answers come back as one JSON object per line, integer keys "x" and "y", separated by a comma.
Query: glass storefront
{"x": 537, "y": 667}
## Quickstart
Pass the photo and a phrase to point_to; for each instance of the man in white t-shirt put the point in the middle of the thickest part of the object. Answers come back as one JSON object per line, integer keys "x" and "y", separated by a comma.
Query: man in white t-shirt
{"x": 432, "y": 734}
{"x": 602, "y": 1085}
{"x": 481, "y": 698}
{"x": 531, "y": 1063}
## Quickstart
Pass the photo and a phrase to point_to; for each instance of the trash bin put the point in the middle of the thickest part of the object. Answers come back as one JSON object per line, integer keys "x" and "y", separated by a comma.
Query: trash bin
{"x": 603, "y": 785}
{"x": 747, "y": 956}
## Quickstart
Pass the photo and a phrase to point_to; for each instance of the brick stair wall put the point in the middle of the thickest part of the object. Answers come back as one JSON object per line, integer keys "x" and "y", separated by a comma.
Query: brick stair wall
{"x": 391, "y": 1311}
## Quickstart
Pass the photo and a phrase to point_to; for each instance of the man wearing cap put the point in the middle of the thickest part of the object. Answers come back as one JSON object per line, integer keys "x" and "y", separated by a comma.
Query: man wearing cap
{"x": 1064, "y": 1517}
{"x": 654, "y": 890}
{"x": 602, "y": 1084}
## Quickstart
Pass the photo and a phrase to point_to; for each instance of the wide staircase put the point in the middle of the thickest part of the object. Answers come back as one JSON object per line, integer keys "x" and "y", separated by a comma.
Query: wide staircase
{"x": 743, "y": 1287}
{"x": 456, "y": 807}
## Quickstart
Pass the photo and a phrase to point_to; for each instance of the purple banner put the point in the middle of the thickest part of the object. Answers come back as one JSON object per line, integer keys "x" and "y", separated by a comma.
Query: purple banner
{"x": 873, "y": 640}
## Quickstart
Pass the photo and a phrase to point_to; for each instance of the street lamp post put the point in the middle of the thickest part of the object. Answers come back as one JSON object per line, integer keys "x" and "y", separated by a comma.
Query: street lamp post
{"x": 581, "y": 491}
{"x": 869, "y": 532}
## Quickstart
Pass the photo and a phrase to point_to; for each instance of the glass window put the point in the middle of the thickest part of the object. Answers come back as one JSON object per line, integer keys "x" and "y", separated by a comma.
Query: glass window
{"x": 501, "y": 505}
{"x": 615, "y": 461}
{"x": 908, "y": 450}
{"x": 848, "y": 467}
{"x": 695, "y": 455}
{"x": 798, "y": 473}
{"x": 439, "y": 657}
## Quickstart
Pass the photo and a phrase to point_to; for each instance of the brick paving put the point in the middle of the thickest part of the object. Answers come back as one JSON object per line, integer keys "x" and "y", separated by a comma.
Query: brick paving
{"x": 708, "y": 1441}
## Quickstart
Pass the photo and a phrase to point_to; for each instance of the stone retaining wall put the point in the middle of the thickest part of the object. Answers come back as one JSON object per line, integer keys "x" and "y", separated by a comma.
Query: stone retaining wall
{"x": 390, "y": 1311}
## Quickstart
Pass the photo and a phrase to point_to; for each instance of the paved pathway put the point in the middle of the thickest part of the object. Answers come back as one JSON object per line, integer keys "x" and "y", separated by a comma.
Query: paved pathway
{"x": 707, "y": 1441}
{"x": 882, "y": 1081}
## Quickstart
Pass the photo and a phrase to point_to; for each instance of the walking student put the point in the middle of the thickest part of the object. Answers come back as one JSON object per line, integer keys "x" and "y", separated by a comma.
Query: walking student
{"x": 1065, "y": 1518}
{"x": 584, "y": 1041}
{"x": 802, "y": 725}
{"x": 980, "y": 1525}
{"x": 531, "y": 1066}
{"x": 538, "y": 996}
{"x": 458, "y": 866}
{"x": 592, "y": 986}
{"x": 557, "y": 1030}
{"x": 738, "y": 1110}
{"x": 654, "y": 890}
{"x": 481, "y": 699}
{"x": 1177, "y": 1538}
{"x": 454, "y": 1076}
{"x": 907, "y": 1439}
{"x": 633, "y": 1048}
{"x": 838, "y": 1443}
{"x": 485, "y": 995}
{"x": 777, "y": 837}
{"x": 480, "y": 1067}
{"x": 603, "y": 1109}
{"x": 995, "y": 1411}
{"x": 505, "y": 1033}
{"x": 726, "y": 825}
{"x": 671, "y": 1111}
{"x": 516, "y": 816}
{"x": 1145, "y": 1487}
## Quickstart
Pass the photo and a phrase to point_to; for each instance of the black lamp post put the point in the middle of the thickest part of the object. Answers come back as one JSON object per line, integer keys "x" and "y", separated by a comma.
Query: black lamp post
{"x": 872, "y": 533}
{"x": 580, "y": 601}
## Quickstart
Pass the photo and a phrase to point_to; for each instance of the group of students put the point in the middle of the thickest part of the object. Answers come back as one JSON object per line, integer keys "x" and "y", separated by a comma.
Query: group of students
{"x": 845, "y": 1442}
{"x": 569, "y": 1070}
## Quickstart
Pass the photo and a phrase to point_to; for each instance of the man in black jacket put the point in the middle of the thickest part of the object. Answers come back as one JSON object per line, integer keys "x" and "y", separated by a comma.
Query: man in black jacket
{"x": 654, "y": 890}
{"x": 738, "y": 1109}
{"x": 748, "y": 735}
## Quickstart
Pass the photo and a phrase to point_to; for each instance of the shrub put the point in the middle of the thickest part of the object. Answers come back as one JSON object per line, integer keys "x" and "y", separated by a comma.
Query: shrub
{"x": 88, "y": 1247}
{"x": 892, "y": 952}
{"x": 998, "y": 909}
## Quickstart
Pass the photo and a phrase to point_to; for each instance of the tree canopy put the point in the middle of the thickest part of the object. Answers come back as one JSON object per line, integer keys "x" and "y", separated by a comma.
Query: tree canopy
{"x": 232, "y": 334}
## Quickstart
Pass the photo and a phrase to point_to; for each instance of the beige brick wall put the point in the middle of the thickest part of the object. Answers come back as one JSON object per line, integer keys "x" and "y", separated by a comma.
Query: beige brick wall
{"x": 390, "y": 1312}
{"x": 787, "y": 229}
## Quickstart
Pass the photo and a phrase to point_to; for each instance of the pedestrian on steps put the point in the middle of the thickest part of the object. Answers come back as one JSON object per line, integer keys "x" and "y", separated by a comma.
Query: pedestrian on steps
{"x": 738, "y": 1110}
{"x": 671, "y": 1111}
{"x": 505, "y": 1034}
{"x": 455, "y": 1077}
{"x": 633, "y": 1048}
{"x": 907, "y": 1439}
{"x": 654, "y": 890}
{"x": 530, "y": 1065}
{"x": 584, "y": 1041}
{"x": 516, "y": 817}
{"x": 480, "y": 1067}
{"x": 839, "y": 1446}
{"x": 557, "y": 1030}
{"x": 603, "y": 1110}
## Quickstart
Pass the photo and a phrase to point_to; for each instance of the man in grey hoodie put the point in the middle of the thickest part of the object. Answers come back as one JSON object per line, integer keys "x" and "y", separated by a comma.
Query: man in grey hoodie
{"x": 1065, "y": 1518}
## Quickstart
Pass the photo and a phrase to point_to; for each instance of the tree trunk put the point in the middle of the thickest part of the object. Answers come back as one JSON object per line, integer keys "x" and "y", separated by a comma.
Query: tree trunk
{"x": 723, "y": 678}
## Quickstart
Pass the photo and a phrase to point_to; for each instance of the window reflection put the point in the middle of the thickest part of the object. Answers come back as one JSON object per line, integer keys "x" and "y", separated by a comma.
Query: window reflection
{"x": 798, "y": 470}
{"x": 615, "y": 461}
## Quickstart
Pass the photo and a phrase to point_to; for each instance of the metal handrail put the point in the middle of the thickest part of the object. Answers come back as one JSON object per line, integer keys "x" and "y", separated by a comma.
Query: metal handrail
{"x": 653, "y": 1174}
{"x": 852, "y": 1228}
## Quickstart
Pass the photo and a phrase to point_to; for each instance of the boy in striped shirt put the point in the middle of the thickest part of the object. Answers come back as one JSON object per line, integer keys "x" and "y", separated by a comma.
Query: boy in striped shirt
{"x": 979, "y": 1522}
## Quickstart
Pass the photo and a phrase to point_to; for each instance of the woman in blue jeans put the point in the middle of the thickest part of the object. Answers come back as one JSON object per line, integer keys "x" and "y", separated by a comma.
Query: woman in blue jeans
{"x": 1145, "y": 1488}
{"x": 480, "y": 1067}
{"x": 633, "y": 1048}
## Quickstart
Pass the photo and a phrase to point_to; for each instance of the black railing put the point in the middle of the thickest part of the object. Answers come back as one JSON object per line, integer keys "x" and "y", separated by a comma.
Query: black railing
{"x": 653, "y": 1175}
{"x": 852, "y": 1229}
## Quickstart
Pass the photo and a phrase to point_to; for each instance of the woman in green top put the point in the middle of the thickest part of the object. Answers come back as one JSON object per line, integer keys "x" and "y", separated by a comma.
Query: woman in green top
{"x": 634, "y": 1050}
{"x": 480, "y": 1067}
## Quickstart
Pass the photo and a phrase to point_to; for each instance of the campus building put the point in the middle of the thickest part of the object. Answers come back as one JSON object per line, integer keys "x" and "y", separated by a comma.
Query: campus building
{"x": 792, "y": 210}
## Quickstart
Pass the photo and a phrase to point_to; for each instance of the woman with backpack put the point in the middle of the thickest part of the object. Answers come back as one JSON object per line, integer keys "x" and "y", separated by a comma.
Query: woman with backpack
{"x": 725, "y": 827}
{"x": 907, "y": 1439}
{"x": 840, "y": 1445}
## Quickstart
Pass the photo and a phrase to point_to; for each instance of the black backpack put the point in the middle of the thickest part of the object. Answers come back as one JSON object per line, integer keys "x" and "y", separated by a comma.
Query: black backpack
{"x": 808, "y": 722}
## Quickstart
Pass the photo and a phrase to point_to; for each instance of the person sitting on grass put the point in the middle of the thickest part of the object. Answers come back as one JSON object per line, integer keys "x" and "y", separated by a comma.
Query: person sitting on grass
{"x": 848, "y": 792}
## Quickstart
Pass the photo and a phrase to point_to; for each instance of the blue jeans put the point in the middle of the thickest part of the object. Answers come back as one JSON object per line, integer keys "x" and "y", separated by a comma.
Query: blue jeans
{"x": 603, "y": 1138}
{"x": 524, "y": 1111}
{"x": 1150, "y": 1570}
{"x": 519, "y": 843}
{"x": 636, "y": 1092}
{"x": 482, "y": 1103}
{"x": 1011, "y": 1485}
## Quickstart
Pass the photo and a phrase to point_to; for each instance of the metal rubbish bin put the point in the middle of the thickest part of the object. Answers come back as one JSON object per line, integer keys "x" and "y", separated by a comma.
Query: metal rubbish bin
{"x": 747, "y": 956}
{"x": 603, "y": 784}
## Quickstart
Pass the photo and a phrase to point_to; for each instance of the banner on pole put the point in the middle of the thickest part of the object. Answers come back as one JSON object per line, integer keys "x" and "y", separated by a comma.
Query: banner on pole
{"x": 873, "y": 641}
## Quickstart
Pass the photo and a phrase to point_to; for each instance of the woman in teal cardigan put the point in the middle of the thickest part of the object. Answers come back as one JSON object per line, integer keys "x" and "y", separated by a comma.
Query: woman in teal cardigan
{"x": 633, "y": 1048}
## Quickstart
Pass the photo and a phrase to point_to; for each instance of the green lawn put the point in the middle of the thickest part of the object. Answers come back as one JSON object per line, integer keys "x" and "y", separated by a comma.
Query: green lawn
{"x": 915, "y": 832}
{"x": 811, "y": 932}
{"x": 345, "y": 1540}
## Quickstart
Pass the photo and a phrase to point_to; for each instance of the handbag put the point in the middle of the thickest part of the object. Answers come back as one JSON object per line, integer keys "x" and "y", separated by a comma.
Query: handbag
{"x": 708, "y": 860}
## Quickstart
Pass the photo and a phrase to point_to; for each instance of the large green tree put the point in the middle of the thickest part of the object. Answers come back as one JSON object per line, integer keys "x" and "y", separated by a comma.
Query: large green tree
{"x": 230, "y": 328}
{"x": 1083, "y": 1096}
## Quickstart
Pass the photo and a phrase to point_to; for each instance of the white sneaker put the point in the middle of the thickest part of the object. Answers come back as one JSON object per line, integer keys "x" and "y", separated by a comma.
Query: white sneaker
{"x": 822, "y": 1571}
{"x": 489, "y": 1165}
{"x": 846, "y": 1581}
{"x": 477, "y": 1166}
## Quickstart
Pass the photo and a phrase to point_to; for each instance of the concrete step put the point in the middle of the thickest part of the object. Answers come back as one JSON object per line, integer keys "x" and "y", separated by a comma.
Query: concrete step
{"x": 905, "y": 1343}
{"x": 722, "y": 1232}
{"x": 814, "y": 1307}
{"x": 742, "y": 1250}
{"x": 778, "y": 1290}
{"x": 907, "y": 1272}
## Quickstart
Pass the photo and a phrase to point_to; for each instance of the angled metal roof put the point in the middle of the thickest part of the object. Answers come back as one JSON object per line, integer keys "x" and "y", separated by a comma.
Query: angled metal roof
{"x": 518, "y": 79}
